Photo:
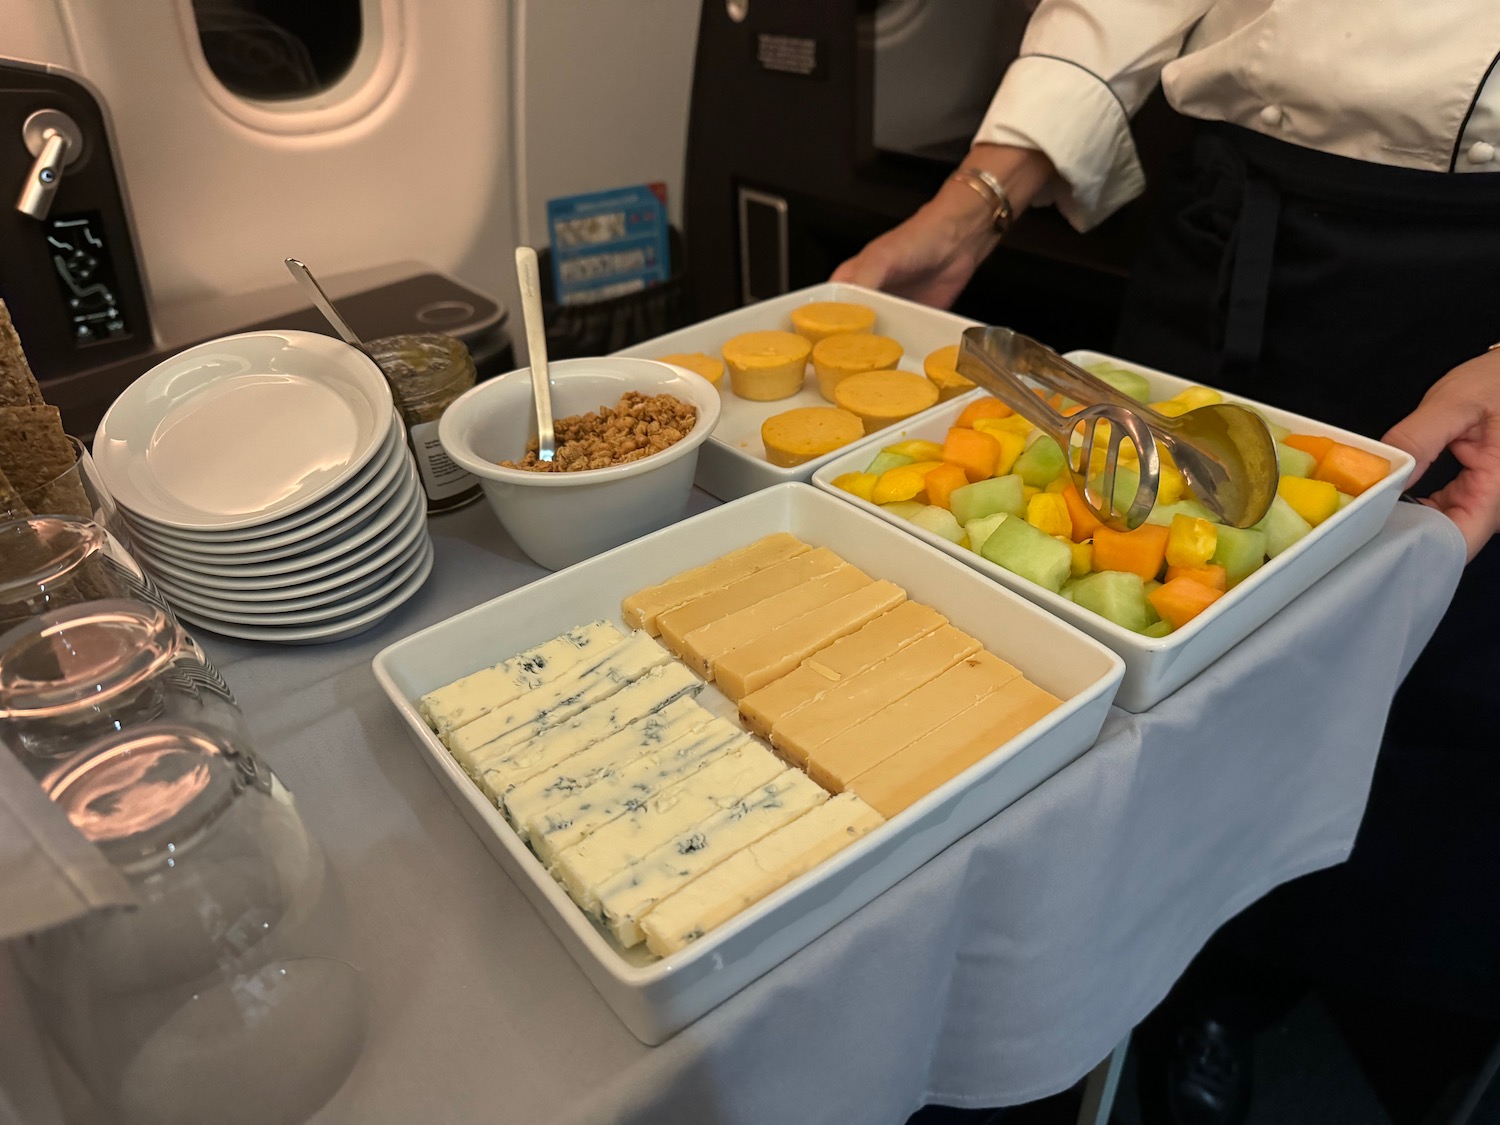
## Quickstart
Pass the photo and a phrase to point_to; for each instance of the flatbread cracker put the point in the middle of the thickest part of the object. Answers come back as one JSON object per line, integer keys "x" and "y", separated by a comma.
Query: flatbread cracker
{"x": 36, "y": 456}
{"x": 18, "y": 386}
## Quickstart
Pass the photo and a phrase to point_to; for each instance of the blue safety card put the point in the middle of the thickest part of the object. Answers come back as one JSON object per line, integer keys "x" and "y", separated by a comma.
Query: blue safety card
{"x": 606, "y": 243}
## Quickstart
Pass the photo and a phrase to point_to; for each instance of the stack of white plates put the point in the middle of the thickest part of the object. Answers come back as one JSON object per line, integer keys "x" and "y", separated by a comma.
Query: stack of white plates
{"x": 268, "y": 488}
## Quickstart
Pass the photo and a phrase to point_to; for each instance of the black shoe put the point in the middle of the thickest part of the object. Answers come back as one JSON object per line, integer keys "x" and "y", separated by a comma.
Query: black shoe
{"x": 1208, "y": 1071}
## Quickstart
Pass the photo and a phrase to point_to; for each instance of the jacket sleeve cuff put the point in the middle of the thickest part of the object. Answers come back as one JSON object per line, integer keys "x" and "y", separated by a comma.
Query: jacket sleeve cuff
{"x": 1069, "y": 113}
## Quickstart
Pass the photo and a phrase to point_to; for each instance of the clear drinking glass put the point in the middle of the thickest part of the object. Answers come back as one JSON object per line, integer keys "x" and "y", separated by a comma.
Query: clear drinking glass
{"x": 221, "y": 994}
{"x": 56, "y": 560}
{"x": 77, "y": 491}
{"x": 74, "y": 675}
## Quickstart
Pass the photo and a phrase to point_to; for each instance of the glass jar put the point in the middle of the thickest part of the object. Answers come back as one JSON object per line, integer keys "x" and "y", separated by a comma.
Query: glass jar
{"x": 426, "y": 373}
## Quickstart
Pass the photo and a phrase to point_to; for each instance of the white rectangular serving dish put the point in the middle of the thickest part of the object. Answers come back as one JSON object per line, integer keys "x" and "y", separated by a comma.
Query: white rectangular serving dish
{"x": 656, "y": 998}
{"x": 1155, "y": 668}
{"x": 732, "y": 462}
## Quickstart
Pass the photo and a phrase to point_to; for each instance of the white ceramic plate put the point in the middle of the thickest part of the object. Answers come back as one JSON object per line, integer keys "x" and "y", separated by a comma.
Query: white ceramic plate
{"x": 331, "y": 543}
{"x": 238, "y": 431}
{"x": 326, "y": 632}
{"x": 291, "y": 540}
{"x": 655, "y": 998}
{"x": 321, "y": 607}
{"x": 390, "y": 544}
{"x": 733, "y": 461}
{"x": 1156, "y": 667}
{"x": 373, "y": 476}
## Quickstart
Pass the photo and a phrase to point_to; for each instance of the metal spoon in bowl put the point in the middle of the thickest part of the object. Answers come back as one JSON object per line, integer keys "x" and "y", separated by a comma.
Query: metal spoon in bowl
{"x": 320, "y": 299}
{"x": 529, "y": 276}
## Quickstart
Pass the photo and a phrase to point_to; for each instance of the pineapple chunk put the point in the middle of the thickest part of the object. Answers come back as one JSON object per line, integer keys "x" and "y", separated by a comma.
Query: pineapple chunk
{"x": 859, "y": 484}
{"x": 1191, "y": 541}
{"x": 1313, "y": 500}
{"x": 1048, "y": 511}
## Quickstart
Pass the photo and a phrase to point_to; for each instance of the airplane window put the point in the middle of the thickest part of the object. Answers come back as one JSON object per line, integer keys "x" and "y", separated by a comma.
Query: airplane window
{"x": 277, "y": 50}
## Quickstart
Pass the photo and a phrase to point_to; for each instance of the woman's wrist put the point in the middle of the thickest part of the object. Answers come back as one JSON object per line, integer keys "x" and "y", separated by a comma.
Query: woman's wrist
{"x": 969, "y": 216}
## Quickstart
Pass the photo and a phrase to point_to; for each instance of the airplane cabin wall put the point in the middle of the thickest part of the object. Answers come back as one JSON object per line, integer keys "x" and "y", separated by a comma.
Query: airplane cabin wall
{"x": 459, "y": 119}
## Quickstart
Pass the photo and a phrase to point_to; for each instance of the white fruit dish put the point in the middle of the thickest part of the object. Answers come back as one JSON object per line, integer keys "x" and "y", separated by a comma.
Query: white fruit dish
{"x": 1157, "y": 666}
{"x": 657, "y": 996}
{"x": 733, "y": 461}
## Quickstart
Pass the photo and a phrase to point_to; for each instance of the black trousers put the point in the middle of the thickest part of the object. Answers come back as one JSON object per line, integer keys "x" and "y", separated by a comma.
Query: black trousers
{"x": 1342, "y": 290}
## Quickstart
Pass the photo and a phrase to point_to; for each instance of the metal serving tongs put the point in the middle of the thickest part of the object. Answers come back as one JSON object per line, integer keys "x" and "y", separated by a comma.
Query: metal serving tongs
{"x": 1224, "y": 451}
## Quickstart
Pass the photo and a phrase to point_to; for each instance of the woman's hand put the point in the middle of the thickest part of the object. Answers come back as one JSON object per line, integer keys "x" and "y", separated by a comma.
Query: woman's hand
{"x": 931, "y": 256}
{"x": 1461, "y": 412}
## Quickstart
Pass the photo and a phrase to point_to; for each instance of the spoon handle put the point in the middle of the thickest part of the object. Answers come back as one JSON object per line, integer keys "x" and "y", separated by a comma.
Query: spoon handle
{"x": 529, "y": 276}
{"x": 321, "y": 302}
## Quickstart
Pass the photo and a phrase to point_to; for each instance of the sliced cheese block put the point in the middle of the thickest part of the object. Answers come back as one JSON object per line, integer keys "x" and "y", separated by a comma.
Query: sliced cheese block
{"x": 481, "y": 692}
{"x": 628, "y": 839}
{"x": 747, "y": 591}
{"x": 912, "y": 773}
{"x": 539, "y": 792}
{"x": 823, "y": 671}
{"x": 704, "y": 645}
{"x": 609, "y": 796}
{"x": 649, "y": 693}
{"x": 587, "y": 682}
{"x": 842, "y": 758}
{"x": 628, "y": 896}
{"x": 748, "y": 876}
{"x": 861, "y": 695}
{"x": 758, "y": 663}
{"x": 642, "y": 608}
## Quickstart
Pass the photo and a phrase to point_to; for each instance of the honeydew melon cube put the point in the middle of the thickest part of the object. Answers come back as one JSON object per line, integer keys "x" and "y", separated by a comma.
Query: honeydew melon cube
{"x": 903, "y": 508}
{"x": 939, "y": 521}
{"x": 1163, "y": 513}
{"x": 1126, "y": 483}
{"x": 1294, "y": 462}
{"x": 1240, "y": 551}
{"x": 986, "y": 497}
{"x": 1157, "y": 629}
{"x": 1279, "y": 433}
{"x": 1345, "y": 500}
{"x": 1032, "y": 554}
{"x": 978, "y": 530}
{"x": 885, "y": 460}
{"x": 1283, "y": 527}
{"x": 1040, "y": 463}
{"x": 1122, "y": 379}
{"x": 1115, "y": 595}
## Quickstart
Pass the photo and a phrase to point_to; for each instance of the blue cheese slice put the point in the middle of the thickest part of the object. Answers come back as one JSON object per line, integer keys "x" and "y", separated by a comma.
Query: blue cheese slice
{"x": 539, "y": 792}
{"x": 477, "y": 694}
{"x": 590, "y": 681}
{"x": 499, "y": 770}
{"x": 628, "y": 839}
{"x": 750, "y": 875}
{"x": 596, "y": 805}
{"x": 627, "y": 898}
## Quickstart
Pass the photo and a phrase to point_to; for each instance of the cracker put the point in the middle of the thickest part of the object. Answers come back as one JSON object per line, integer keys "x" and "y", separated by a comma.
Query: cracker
{"x": 18, "y": 386}
{"x": 36, "y": 456}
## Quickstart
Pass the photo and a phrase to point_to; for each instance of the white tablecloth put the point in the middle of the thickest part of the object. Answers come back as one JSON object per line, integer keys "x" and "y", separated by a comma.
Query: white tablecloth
{"x": 1000, "y": 972}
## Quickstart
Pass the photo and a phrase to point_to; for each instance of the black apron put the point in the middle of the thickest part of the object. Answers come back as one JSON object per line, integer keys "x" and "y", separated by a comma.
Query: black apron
{"x": 1342, "y": 290}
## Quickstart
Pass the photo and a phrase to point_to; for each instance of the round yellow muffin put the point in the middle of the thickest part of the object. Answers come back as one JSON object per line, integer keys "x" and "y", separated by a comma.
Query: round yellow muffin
{"x": 710, "y": 367}
{"x": 795, "y": 436}
{"x": 883, "y": 398}
{"x": 821, "y": 319}
{"x": 764, "y": 366}
{"x": 942, "y": 368}
{"x": 834, "y": 358}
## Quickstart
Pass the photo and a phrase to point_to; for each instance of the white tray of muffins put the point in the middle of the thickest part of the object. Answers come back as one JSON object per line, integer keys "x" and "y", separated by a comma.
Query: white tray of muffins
{"x": 808, "y": 373}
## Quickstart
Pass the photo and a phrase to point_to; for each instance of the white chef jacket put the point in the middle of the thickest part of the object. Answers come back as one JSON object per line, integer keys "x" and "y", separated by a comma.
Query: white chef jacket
{"x": 1411, "y": 83}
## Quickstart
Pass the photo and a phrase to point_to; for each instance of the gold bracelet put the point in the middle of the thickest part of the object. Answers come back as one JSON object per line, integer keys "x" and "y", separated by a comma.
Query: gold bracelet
{"x": 993, "y": 193}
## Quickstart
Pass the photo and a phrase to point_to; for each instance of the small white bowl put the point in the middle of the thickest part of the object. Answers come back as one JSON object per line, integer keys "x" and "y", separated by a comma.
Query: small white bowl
{"x": 561, "y": 518}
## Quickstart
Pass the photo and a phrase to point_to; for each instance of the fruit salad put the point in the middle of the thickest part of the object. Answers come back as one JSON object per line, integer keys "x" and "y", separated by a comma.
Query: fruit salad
{"x": 1000, "y": 488}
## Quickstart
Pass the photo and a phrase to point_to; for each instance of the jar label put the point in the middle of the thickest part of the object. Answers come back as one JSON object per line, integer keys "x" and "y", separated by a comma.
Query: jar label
{"x": 441, "y": 477}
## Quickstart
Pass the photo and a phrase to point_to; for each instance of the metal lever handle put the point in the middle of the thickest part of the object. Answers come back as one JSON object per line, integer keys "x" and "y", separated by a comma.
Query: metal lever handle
{"x": 53, "y": 138}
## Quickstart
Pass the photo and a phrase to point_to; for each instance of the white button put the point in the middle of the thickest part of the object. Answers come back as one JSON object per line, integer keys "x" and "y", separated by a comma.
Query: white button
{"x": 1271, "y": 116}
{"x": 1481, "y": 152}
